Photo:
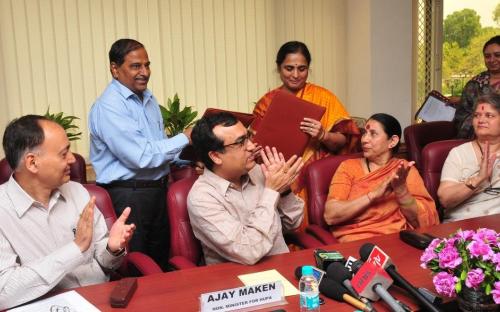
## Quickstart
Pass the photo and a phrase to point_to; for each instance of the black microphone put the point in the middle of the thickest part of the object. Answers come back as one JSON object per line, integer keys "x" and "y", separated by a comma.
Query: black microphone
{"x": 341, "y": 274}
{"x": 334, "y": 290}
{"x": 373, "y": 254}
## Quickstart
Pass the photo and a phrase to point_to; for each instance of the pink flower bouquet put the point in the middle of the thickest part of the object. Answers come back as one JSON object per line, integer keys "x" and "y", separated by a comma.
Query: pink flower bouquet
{"x": 470, "y": 258}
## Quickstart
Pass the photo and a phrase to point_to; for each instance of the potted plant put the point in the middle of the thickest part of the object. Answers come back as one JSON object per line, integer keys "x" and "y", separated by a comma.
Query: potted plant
{"x": 467, "y": 265}
{"x": 176, "y": 121}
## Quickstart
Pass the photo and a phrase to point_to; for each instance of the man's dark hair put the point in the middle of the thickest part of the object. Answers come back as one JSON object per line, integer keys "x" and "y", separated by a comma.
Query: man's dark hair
{"x": 292, "y": 47}
{"x": 204, "y": 139}
{"x": 391, "y": 127}
{"x": 121, "y": 48}
{"x": 493, "y": 40}
{"x": 21, "y": 135}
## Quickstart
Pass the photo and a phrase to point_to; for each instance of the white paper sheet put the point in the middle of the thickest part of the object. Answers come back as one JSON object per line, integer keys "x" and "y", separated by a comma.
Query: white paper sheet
{"x": 69, "y": 301}
{"x": 435, "y": 110}
{"x": 266, "y": 277}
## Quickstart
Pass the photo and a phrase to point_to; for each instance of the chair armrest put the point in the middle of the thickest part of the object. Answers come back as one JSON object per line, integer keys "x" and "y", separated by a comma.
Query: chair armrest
{"x": 143, "y": 263}
{"x": 181, "y": 263}
{"x": 321, "y": 234}
{"x": 303, "y": 240}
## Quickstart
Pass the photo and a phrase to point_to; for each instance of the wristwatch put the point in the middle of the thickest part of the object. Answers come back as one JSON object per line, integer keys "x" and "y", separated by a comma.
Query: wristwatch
{"x": 117, "y": 253}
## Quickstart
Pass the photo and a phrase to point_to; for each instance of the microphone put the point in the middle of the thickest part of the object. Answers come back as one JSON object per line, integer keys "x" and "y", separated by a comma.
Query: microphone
{"x": 334, "y": 290}
{"x": 372, "y": 282}
{"x": 341, "y": 274}
{"x": 373, "y": 254}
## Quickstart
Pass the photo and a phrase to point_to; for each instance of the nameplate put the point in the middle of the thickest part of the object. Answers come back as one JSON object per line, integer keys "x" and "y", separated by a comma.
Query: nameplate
{"x": 242, "y": 297}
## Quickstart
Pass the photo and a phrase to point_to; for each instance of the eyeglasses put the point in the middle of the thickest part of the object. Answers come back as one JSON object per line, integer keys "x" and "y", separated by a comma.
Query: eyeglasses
{"x": 241, "y": 141}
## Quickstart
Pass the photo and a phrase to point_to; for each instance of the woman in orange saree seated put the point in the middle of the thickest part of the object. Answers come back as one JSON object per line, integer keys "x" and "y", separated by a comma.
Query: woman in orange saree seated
{"x": 378, "y": 193}
{"x": 334, "y": 133}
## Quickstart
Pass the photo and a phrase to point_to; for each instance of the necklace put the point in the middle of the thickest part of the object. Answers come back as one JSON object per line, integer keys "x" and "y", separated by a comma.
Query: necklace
{"x": 368, "y": 164}
{"x": 480, "y": 148}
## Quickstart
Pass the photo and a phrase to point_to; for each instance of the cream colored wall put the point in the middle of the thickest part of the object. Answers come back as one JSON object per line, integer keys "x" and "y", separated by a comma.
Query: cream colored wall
{"x": 213, "y": 53}
{"x": 380, "y": 58}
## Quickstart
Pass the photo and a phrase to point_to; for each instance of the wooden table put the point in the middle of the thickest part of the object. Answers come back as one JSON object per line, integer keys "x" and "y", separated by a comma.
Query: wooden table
{"x": 180, "y": 290}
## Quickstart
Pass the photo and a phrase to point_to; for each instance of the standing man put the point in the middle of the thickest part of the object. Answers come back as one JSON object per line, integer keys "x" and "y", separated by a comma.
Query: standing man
{"x": 129, "y": 150}
{"x": 237, "y": 208}
{"x": 51, "y": 235}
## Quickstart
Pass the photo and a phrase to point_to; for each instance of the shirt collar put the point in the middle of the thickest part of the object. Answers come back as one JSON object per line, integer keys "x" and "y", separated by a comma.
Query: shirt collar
{"x": 22, "y": 201}
{"x": 126, "y": 92}
{"x": 222, "y": 185}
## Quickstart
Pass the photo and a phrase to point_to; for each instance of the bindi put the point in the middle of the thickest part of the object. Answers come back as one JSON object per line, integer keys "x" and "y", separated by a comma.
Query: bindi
{"x": 482, "y": 107}
{"x": 367, "y": 127}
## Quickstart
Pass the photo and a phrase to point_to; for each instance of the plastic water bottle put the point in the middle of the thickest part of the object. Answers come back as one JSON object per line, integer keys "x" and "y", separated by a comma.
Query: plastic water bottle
{"x": 309, "y": 293}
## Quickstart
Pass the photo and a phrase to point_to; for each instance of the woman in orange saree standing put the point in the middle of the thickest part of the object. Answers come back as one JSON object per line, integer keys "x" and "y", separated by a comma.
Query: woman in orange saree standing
{"x": 334, "y": 133}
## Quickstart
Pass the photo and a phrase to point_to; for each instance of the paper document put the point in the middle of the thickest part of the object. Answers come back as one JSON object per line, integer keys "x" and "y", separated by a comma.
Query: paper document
{"x": 267, "y": 277}
{"x": 70, "y": 301}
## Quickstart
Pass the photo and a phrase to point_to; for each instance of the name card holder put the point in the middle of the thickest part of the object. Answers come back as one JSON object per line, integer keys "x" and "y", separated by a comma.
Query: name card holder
{"x": 246, "y": 298}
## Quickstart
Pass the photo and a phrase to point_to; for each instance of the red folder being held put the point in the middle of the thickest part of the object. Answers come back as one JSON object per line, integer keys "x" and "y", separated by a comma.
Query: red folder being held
{"x": 280, "y": 126}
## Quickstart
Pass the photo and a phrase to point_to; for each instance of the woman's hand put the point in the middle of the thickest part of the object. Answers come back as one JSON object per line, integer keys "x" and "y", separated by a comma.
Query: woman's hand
{"x": 312, "y": 127}
{"x": 383, "y": 190}
{"x": 486, "y": 165}
{"x": 398, "y": 178}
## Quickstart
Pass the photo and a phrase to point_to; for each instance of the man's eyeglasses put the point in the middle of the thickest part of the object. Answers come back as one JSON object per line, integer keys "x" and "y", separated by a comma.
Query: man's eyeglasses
{"x": 241, "y": 141}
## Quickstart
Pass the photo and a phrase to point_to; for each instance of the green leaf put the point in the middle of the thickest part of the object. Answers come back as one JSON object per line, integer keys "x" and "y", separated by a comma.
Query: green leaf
{"x": 497, "y": 275}
{"x": 463, "y": 275}
{"x": 66, "y": 122}
{"x": 458, "y": 287}
{"x": 488, "y": 289}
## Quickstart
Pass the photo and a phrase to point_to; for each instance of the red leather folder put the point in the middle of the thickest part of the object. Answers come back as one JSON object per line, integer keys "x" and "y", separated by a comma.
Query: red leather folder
{"x": 280, "y": 126}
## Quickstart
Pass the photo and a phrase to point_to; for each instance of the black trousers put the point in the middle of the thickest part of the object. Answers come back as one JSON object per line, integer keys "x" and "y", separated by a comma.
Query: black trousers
{"x": 149, "y": 214}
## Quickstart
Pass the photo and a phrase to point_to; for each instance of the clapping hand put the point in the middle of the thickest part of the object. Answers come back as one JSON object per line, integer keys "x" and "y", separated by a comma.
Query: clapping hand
{"x": 398, "y": 178}
{"x": 279, "y": 174}
{"x": 384, "y": 189}
{"x": 120, "y": 233}
{"x": 487, "y": 162}
{"x": 85, "y": 226}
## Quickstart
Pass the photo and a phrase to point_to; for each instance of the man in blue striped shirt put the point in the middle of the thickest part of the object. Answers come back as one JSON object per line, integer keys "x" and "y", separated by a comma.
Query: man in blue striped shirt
{"x": 129, "y": 150}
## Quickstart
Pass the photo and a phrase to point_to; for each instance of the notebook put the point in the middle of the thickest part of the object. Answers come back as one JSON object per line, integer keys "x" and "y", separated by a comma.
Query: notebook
{"x": 280, "y": 126}
{"x": 436, "y": 107}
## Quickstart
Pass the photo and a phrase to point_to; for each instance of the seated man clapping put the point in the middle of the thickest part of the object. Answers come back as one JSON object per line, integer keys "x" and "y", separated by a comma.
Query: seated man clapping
{"x": 51, "y": 235}
{"x": 238, "y": 209}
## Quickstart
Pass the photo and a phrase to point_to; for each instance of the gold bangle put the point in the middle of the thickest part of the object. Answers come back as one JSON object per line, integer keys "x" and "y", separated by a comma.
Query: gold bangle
{"x": 323, "y": 134}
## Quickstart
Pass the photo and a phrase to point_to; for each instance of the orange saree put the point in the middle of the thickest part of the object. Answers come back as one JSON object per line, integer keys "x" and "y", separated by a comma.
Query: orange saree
{"x": 335, "y": 119}
{"x": 383, "y": 217}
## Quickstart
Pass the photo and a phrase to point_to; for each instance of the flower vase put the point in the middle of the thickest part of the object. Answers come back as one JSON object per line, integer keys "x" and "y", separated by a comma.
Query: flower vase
{"x": 470, "y": 300}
